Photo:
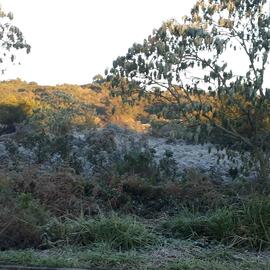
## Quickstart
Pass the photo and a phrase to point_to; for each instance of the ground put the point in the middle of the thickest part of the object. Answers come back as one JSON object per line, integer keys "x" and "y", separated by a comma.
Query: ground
{"x": 171, "y": 255}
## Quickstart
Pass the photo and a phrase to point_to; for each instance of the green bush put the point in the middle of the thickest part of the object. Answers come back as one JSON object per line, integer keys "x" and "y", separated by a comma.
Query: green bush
{"x": 119, "y": 233}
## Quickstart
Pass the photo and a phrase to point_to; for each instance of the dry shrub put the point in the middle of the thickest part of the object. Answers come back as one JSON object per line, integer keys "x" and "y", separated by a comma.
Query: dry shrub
{"x": 135, "y": 194}
{"x": 16, "y": 232}
{"x": 197, "y": 191}
{"x": 21, "y": 218}
{"x": 60, "y": 192}
{"x": 143, "y": 191}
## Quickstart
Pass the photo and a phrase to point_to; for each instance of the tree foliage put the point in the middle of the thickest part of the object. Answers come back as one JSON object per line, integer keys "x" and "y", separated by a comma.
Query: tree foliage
{"x": 189, "y": 60}
{"x": 11, "y": 40}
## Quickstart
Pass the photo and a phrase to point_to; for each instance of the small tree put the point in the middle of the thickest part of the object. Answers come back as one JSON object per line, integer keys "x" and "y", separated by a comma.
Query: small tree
{"x": 11, "y": 39}
{"x": 188, "y": 59}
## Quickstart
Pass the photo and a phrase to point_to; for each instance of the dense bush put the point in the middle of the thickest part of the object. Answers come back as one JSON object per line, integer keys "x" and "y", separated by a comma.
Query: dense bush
{"x": 201, "y": 192}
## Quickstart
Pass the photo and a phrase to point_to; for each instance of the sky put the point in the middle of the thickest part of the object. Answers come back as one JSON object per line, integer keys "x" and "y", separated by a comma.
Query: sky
{"x": 74, "y": 40}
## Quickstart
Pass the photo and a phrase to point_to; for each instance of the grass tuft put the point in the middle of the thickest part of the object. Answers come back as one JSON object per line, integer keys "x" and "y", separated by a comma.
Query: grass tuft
{"x": 120, "y": 233}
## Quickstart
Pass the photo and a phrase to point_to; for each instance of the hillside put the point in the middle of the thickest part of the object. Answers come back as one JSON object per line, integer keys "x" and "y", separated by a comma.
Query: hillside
{"x": 93, "y": 103}
{"x": 122, "y": 186}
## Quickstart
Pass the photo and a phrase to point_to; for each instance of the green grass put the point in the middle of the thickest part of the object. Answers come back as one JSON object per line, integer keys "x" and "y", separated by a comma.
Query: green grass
{"x": 198, "y": 264}
{"x": 119, "y": 233}
{"x": 171, "y": 255}
{"x": 216, "y": 225}
{"x": 71, "y": 258}
{"x": 254, "y": 222}
{"x": 244, "y": 225}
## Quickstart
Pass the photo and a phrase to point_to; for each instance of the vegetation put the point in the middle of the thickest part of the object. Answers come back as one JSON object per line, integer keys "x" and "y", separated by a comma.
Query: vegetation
{"x": 81, "y": 186}
{"x": 76, "y": 105}
{"x": 119, "y": 233}
{"x": 217, "y": 102}
{"x": 242, "y": 225}
{"x": 126, "y": 207}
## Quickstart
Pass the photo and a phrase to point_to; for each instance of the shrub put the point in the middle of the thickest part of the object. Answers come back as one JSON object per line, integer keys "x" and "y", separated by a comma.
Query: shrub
{"x": 168, "y": 166}
{"x": 21, "y": 218}
{"x": 198, "y": 191}
{"x": 141, "y": 161}
{"x": 138, "y": 194}
{"x": 138, "y": 161}
{"x": 61, "y": 192}
{"x": 172, "y": 129}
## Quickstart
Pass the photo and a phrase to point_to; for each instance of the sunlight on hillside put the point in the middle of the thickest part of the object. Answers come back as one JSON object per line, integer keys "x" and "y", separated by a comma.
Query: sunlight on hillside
{"x": 94, "y": 105}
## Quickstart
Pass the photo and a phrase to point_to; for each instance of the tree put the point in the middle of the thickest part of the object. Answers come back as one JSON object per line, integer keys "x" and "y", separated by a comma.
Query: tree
{"x": 11, "y": 39}
{"x": 187, "y": 59}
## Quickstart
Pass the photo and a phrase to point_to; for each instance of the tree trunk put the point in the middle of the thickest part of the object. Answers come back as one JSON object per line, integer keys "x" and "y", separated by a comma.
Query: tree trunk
{"x": 264, "y": 164}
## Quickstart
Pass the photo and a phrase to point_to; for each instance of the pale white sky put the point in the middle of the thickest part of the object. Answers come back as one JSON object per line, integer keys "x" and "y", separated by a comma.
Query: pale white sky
{"x": 73, "y": 40}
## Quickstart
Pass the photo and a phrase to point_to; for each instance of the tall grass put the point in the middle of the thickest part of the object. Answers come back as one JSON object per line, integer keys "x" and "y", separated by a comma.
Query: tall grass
{"x": 215, "y": 225}
{"x": 244, "y": 225}
{"x": 120, "y": 233}
{"x": 253, "y": 223}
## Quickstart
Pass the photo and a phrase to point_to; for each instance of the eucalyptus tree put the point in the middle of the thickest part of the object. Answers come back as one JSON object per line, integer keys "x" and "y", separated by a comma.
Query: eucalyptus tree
{"x": 194, "y": 61}
{"x": 11, "y": 40}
